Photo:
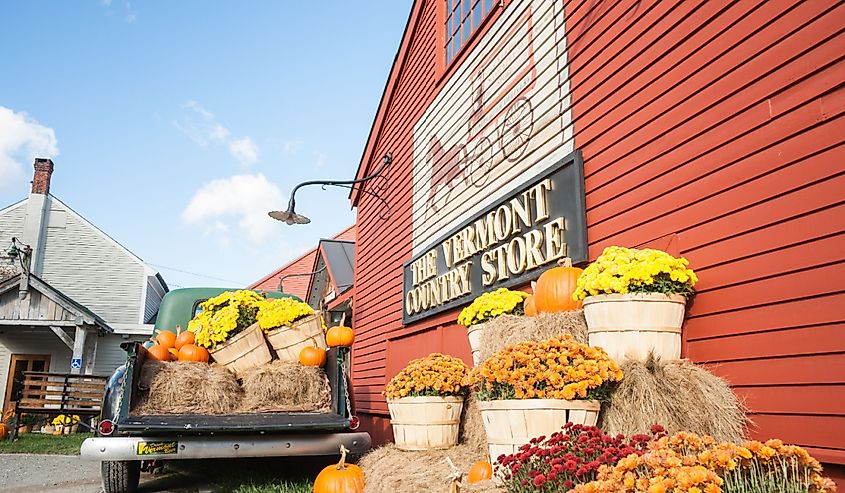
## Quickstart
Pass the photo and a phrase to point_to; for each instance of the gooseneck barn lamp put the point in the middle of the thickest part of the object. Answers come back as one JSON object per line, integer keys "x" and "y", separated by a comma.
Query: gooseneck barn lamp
{"x": 291, "y": 217}
{"x": 282, "y": 278}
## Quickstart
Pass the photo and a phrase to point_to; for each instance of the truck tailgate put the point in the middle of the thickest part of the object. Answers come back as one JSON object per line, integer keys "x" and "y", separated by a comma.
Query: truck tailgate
{"x": 201, "y": 424}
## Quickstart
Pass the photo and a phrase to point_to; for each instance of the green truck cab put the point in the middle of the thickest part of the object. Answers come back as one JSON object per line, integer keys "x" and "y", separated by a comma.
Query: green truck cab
{"x": 126, "y": 444}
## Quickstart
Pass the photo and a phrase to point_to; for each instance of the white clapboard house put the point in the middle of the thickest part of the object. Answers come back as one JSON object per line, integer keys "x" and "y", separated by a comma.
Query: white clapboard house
{"x": 70, "y": 293}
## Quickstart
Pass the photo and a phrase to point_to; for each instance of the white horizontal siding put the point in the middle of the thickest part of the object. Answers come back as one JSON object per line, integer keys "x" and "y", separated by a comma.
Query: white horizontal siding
{"x": 91, "y": 269}
{"x": 154, "y": 296}
{"x": 39, "y": 341}
{"x": 11, "y": 224}
{"x": 109, "y": 353}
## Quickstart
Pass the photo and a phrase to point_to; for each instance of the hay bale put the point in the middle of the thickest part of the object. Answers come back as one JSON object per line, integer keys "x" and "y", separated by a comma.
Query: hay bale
{"x": 283, "y": 386}
{"x": 390, "y": 470}
{"x": 186, "y": 387}
{"x": 506, "y": 330}
{"x": 677, "y": 394}
{"x": 472, "y": 427}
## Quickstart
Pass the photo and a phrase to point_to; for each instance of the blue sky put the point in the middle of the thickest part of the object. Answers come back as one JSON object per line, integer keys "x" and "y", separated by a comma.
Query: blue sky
{"x": 176, "y": 126}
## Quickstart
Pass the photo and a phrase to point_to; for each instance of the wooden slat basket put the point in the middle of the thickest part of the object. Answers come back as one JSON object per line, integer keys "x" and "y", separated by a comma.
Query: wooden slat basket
{"x": 287, "y": 342}
{"x": 514, "y": 422}
{"x": 245, "y": 350}
{"x": 425, "y": 423}
{"x": 474, "y": 333}
{"x": 632, "y": 325}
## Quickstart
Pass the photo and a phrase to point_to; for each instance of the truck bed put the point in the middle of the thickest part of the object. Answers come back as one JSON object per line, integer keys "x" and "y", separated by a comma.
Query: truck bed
{"x": 201, "y": 424}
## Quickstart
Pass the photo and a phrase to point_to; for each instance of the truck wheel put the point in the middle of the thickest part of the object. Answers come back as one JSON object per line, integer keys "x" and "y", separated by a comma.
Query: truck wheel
{"x": 121, "y": 476}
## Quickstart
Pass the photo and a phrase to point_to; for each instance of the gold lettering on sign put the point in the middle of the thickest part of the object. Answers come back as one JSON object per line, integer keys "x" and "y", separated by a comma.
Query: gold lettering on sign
{"x": 514, "y": 238}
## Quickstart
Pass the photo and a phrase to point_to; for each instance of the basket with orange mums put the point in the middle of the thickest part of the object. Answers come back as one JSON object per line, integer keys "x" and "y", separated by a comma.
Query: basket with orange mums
{"x": 532, "y": 389}
{"x": 425, "y": 400}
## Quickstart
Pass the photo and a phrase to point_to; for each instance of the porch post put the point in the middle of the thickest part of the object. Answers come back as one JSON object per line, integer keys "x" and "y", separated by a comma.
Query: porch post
{"x": 90, "y": 353}
{"x": 78, "y": 348}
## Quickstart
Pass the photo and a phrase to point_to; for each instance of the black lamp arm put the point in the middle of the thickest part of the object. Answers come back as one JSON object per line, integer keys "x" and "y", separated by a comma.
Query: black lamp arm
{"x": 388, "y": 158}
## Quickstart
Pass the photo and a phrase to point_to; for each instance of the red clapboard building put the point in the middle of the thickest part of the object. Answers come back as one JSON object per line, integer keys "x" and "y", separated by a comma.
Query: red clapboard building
{"x": 524, "y": 130}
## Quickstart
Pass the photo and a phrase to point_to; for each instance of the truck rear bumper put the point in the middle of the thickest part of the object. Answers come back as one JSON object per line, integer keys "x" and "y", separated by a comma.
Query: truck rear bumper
{"x": 214, "y": 447}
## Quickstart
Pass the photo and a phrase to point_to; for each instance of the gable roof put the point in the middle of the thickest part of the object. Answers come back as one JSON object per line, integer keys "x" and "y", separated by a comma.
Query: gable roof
{"x": 67, "y": 303}
{"x": 335, "y": 264}
{"x": 298, "y": 285}
{"x": 387, "y": 96}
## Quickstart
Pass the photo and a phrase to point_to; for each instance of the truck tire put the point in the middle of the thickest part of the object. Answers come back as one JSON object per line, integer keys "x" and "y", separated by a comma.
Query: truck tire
{"x": 121, "y": 476}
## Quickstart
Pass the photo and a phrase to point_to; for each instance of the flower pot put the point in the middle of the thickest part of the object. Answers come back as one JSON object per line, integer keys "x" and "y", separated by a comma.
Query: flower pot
{"x": 245, "y": 350}
{"x": 632, "y": 325}
{"x": 58, "y": 430}
{"x": 425, "y": 423}
{"x": 287, "y": 342}
{"x": 511, "y": 423}
{"x": 48, "y": 429}
{"x": 474, "y": 333}
{"x": 24, "y": 429}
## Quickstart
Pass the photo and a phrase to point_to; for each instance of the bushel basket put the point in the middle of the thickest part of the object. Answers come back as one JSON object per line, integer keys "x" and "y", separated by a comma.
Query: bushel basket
{"x": 244, "y": 351}
{"x": 287, "y": 342}
{"x": 425, "y": 423}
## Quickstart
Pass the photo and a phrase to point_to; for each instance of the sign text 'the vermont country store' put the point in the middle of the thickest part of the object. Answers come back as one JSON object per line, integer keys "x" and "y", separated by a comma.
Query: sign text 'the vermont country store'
{"x": 504, "y": 246}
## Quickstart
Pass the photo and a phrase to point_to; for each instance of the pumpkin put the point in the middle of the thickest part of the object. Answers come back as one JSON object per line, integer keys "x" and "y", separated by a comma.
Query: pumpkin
{"x": 480, "y": 471}
{"x": 340, "y": 477}
{"x": 184, "y": 337}
{"x": 554, "y": 289}
{"x": 174, "y": 354}
{"x": 158, "y": 353}
{"x": 166, "y": 338}
{"x": 312, "y": 356}
{"x": 529, "y": 306}
{"x": 340, "y": 336}
{"x": 192, "y": 352}
{"x": 4, "y": 431}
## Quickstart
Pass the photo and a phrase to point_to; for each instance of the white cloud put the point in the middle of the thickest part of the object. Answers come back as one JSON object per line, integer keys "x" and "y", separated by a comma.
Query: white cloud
{"x": 105, "y": 3}
{"x": 201, "y": 126}
{"x": 242, "y": 200}
{"x": 244, "y": 150}
{"x": 292, "y": 146}
{"x": 320, "y": 158}
{"x": 22, "y": 139}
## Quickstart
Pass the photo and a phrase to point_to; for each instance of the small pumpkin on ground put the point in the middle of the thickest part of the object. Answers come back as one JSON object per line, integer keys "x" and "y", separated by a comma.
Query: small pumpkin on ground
{"x": 192, "y": 352}
{"x": 554, "y": 289}
{"x": 312, "y": 356}
{"x": 340, "y": 336}
{"x": 158, "y": 353}
{"x": 340, "y": 477}
{"x": 480, "y": 471}
{"x": 4, "y": 431}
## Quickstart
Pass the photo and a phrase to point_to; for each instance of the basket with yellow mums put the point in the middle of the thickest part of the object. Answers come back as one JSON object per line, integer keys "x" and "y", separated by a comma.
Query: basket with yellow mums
{"x": 486, "y": 307}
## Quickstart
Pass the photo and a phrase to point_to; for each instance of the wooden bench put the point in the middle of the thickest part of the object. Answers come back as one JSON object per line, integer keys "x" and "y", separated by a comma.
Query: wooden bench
{"x": 58, "y": 393}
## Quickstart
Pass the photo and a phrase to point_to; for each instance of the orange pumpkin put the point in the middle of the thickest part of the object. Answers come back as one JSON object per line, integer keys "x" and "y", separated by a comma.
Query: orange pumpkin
{"x": 158, "y": 353}
{"x": 340, "y": 336}
{"x": 312, "y": 356}
{"x": 480, "y": 471}
{"x": 192, "y": 352}
{"x": 554, "y": 289}
{"x": 166, "y": 338}
{"x": 340, "y": 478}
{"x": 529, "y": 306}
{"x": 186, "y": 337}
{"x": 4, "y": 431}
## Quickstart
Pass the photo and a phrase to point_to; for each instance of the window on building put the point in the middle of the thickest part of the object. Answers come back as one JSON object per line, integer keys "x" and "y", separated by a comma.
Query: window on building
{"x": 462, "y": 19}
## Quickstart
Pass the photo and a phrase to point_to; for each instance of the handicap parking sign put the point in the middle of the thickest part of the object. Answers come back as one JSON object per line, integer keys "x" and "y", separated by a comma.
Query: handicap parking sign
{"x": 76, "y": 363}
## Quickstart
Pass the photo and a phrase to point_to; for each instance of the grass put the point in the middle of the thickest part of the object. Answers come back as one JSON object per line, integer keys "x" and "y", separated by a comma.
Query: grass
{"x": 260, "y": 475}
{"x": 273, "y": 486}
{"x": 37, "y": 443}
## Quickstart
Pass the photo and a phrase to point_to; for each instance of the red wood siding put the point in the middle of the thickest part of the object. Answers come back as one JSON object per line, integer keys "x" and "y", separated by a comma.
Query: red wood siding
{"x": 720, "y": 122}
{"x": 298, "y": 285}
{"x": 713, "y": 127}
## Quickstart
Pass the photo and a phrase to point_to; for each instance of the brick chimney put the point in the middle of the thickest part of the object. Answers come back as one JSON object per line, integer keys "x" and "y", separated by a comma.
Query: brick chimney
{"x": 41, "y": 179}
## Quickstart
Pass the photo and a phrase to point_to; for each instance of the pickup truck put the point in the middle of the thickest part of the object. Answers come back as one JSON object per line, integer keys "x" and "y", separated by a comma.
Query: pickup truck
{"x": 126, "y": 444}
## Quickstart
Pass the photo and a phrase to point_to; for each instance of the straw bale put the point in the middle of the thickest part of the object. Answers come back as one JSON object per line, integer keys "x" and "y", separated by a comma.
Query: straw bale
{"x": 677, "y": 394}
{"x": 187, "y": 387}
{"x": 506, "y": 330}
{"x": 283, "y": 386}
{"x": 390, "y": 470}
{"x": 473, "y": 434}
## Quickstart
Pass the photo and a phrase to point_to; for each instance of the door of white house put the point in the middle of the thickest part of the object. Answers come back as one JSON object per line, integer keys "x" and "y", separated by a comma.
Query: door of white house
{"x": 21, "y": 363}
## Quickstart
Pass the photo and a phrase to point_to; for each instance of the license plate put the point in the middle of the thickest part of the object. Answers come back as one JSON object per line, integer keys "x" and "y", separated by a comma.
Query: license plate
{"x": 157, "y": 448}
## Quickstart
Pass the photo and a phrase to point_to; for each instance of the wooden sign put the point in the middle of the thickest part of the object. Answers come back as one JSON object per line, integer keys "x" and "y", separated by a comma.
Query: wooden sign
{"x": 505, "y": 245}
{"x": 504, "y": 113}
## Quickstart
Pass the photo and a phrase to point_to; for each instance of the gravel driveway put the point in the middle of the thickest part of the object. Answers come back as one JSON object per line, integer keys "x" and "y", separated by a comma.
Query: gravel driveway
{"x": 28, "y": 473}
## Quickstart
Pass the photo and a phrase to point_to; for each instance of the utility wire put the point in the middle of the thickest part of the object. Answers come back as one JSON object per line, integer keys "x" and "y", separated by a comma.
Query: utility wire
{"x": 198, "y": 275}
